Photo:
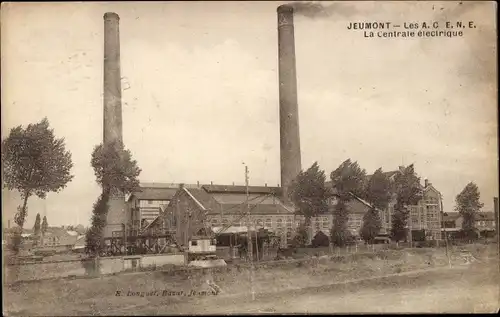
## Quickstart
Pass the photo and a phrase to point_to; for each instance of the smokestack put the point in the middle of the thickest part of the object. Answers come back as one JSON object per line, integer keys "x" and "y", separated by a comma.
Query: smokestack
{"x": 112, "y": 79}
{"x": 289, "y": 115}
{"x": 117, "y": 216}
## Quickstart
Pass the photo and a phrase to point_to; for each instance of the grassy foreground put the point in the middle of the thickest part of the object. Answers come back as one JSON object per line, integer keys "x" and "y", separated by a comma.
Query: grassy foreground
{"x": 107, "y": 295}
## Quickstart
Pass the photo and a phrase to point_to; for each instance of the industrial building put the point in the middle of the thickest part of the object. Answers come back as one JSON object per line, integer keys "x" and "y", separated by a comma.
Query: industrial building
{"x": 157, "y": 214}
{"x": 211, "y": 205}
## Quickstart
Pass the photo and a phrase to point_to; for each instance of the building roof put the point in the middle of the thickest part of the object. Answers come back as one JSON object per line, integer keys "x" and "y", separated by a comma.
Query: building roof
{"x": 452, "y": 216}
{"x": 155, "y": 193}
{"x": 57, "y": 231}
{"x": 255, "y": 209}
{"x": 485, "y": 216}
{"x": 241, "y": 189}
{"x": 203, "y": 198}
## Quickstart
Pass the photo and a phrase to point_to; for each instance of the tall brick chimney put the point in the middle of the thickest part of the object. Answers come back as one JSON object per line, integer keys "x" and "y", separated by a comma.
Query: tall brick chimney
{"x": 112, "y": 106}
{"x": 288, "y": 107}
{"x": 112, "y": 79}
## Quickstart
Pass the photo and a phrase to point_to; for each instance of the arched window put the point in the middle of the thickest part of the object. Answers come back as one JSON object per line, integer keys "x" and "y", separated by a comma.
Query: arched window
{"x": 279, "y": 222}
{"x": 260, "y": 223}
{"x": 269, "y": 222}
{"x": 289, "y": 222}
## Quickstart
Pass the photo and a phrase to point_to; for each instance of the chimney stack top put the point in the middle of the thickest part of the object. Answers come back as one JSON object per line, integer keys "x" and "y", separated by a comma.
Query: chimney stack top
{"x": 111, "y": 16}
{"x": 285, "y": 8}
{"x": 426, "y": 182}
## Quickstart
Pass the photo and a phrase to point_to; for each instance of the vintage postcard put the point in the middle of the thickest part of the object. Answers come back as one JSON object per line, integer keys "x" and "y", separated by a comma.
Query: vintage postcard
{"x": 249, "y": 157}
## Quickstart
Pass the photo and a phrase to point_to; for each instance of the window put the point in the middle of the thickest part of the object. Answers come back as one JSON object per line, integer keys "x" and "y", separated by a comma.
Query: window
{"x": 224, "y": 222}
{"x": 269, "y": 222}
{"x": 279, "y": 222}
{"x": 194, "y": 243}
{"x": 260, "y": 223}
{"x": 150, "y": 202}
{"x": 289, "y": 222}
{"x": 215, "y": 222}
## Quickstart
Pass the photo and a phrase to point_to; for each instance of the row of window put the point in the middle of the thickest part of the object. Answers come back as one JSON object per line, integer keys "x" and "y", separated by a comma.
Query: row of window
{"x": 259, "y": 222}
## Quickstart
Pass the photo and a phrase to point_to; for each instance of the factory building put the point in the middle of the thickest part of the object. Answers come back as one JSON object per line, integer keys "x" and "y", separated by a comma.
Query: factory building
{"x": 425, "y": 215}
{"x": 145, "y": 204}
{"x": 203, "y": 207}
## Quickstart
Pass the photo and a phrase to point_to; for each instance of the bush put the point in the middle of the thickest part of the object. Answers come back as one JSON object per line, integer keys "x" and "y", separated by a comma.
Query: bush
{"x": 300, "y": 238}
{"x": 320, "y": 240}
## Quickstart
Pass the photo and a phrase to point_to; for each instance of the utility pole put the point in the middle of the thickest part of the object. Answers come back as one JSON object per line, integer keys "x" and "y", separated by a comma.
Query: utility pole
{"x": 444, "y": 228}
{"x": 410, "y": 228}
{"x": 249, "y": 222}
{"x": 497, "y": 222}
{"x": 249, "y": 235}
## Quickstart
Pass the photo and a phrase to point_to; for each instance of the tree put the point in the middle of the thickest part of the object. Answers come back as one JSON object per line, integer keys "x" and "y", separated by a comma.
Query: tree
{"x": 114, "y": 168}
{"x": 301, "y": 237}
{"x": 309, "y": 194}
{"x": 36, "y": 227}
{"x": 116, "y": 172}
{"x": 98, "y": 222}
{"x": 467, "y": 205}
{"x": 45, "y": 225}
{"x": 34, "y": 162}
{"x": 378, "y": 190}
{"x": 347, "y": 182}
{"x": 320, "y": 240}
{"x": 378, "y": 194}
{"x": 371, "y": 225}
{"x": 408, "y": 192}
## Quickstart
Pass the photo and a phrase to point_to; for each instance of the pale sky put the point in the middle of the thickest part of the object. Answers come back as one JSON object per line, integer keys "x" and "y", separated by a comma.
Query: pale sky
{"x": 202, "y": 92}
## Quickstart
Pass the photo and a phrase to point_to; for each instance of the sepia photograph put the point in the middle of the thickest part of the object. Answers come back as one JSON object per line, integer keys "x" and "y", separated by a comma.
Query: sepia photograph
{"x": 249, "y": 157}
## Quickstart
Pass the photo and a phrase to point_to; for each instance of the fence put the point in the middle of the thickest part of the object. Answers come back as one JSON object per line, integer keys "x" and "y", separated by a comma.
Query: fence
{"x": 87, "y": 267}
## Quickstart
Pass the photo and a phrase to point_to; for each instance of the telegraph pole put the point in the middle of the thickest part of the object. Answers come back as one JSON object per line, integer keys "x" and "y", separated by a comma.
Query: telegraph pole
{"x": 249, "y": 222}
{"x": 249, "y": 235}
{"x": 445, "y": 233}
{"x": 497, "y": 222}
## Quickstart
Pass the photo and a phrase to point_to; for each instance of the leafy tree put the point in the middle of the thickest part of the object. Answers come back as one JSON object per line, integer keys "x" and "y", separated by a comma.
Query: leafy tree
{"x": 347, "y": 181}
{"x": 36, "y": 227}
{"x": 371, "y": 225}
{"x": 114, "y": 168}
{"x": 117, "y": 173}
{"x": 93, "y": 236}
{"x": 408, "y": 192}
{"x": 45, "y": 225}
{"x": 309, "y": 194}
{"x": 320, "y": 240}
{"x": 378, "y": 193}
{"x": 301, "y": 237}
{"x": 467, "y": 205}
{"x": 34, "y": 162}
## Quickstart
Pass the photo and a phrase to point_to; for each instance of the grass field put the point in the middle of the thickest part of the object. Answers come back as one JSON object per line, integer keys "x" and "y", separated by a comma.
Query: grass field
{"x": 99, "y": 296}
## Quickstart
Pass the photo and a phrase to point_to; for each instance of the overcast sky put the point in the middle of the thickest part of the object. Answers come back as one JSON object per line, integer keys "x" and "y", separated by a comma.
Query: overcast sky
{"x": 201, "y": 92}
